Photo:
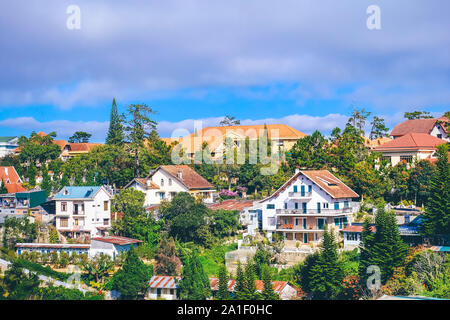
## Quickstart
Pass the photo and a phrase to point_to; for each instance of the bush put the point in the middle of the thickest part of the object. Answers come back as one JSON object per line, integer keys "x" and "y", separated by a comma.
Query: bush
{"x": 46, "y": 271}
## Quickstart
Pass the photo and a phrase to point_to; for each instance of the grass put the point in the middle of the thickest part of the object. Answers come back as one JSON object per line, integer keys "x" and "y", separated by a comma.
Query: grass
{"x": 213, "y": 258}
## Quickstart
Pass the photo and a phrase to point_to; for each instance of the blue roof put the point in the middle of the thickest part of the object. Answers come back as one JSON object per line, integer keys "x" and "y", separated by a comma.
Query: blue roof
{"x": 77, "y": 192}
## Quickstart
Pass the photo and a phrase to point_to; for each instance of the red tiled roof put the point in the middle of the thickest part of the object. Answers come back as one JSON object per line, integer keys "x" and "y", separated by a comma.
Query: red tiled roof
{"x": 325, "y": 180}
{"x": 277, "y": 285}
{"x": 144, "y": 182}
{"x": 413, "y": 126}
{"x": 53, "y": 245}
{"x": 232, "y": 204}
{"x": 9, "y": 174}
{"x": 411, "y": 141}
{"x": 189, "y": 178}
{"x": 83, "y": 146}
{"x": 117, "y": 240}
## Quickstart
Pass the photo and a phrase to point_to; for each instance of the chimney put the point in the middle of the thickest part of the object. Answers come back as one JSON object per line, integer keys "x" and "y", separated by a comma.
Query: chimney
{"x": 297, "y": 170}
{"x": 6, "y": 170}
{"x": 148, "y": 182}
{"x": 180, "y": 175}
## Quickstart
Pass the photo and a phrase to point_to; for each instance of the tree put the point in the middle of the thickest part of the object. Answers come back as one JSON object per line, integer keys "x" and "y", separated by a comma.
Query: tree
{"x": 99, "y": 267}
{"x": 115, "y": 134}
{"x": 46, "y": 183}
{"x": 3, "y": 188}
{"x": 417, "y": 115}
{"x": 436, "y": 220}
{"x": 358, "y": 118}
{"x": 80, "y": 137}
{"x": 379, "y": 129}
{"x": 229, "y": 121}
{"x": 17, "y": 285}
{"x": 384, "y": 248}
{"x": 132, "y": 279}
{"x": 268, "y": 293}
{"x": 138, "y": 128}
{"x": 309, "y": 152}
{"x": 222, "y": 292}
{"x": 194, "y": 284}
{"x": 166, "y": 261}
{"x": 239, "y": 288}
{"x": 326, "y": 275}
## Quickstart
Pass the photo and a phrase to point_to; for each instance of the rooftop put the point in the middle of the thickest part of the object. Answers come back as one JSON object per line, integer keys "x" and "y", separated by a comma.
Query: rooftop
{"x": 77, "y": 192}
{"x": 414, "y": 141}
{"x": 189, "y": 177}
{"x": 232, "y": 204}
{"x": 117, "y": 240}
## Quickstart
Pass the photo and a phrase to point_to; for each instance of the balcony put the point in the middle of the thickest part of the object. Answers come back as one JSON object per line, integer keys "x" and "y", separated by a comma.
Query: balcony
{"x": 290, "y": 227}
{"x": 300, "y": 195}
{"x": 315, "y": 212}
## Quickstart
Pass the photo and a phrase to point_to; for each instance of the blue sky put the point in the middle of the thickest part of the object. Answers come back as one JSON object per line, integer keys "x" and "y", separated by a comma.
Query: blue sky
{"x": 299, "y": 62}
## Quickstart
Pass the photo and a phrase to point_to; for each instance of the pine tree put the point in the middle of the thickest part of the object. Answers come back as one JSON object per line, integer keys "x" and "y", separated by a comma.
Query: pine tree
{"x": 385, "y": 248}
{"x": 326, "y": 275}
{"x": 115, "y": 131}
{"x": 195, "y": 283}
{"x": 268, "y": 292}
{"x": 222, "y": 291}
{"x": 437, "y": 215}
{"x": 239, "y": 288}
{"x": 132, "y": 280}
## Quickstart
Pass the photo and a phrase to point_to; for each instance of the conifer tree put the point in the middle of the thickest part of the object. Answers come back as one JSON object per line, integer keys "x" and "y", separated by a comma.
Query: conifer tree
{"x": 222, "y": 291}
{"x": 385, "y": 248}
{"x": 326, "y": 275}
{"x": 268, "y": 292}
{"x": 436, "y": 220}
{"x": 115, "y": 132}
{"x": 249, "y": 282}
{"x": 46, "y": 183}
{"x": 195, "y": 283}
{"x": 239, "y": 288}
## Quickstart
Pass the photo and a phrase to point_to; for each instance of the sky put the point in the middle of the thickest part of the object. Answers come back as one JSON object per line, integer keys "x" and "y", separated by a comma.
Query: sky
{"x": 304, "y": 63}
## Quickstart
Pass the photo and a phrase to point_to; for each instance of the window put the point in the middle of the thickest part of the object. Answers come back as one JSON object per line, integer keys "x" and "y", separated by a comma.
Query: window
{"x": 325, "y": 205}
{"x": 310, "y": 188}
{"x": 106, "y": 222}
{"x": 162, "y": 195}
{"x": 407, "y": 159}
{"x": 336, "y": 206}
{"x": 285, "y": 205}
{"x": 105, "y": 205}
{"x": 162, "y": 182}
{"x": 170, "y": 182}
{"x": 270, "y": 206}
{"x": 63, "y": 206}
{"x": 386, "y": 158}
{"x": 64, "y": 223}
{"x": 346, "y": 204}
{"x": 439, "y": 135}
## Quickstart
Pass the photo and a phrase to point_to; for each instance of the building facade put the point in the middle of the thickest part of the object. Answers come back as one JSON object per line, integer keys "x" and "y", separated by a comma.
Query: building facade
{"x": 83, "y": 211}
{"x": 7, "y": 145}
{"x": 305, "y": 204}
{"x": 166, "y": 181}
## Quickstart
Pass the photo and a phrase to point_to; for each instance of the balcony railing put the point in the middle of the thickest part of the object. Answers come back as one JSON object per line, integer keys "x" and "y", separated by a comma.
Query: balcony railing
{"x": 323, "y": 212}
{"x": 293, "y": 227}
{"x": 300, "y": 194}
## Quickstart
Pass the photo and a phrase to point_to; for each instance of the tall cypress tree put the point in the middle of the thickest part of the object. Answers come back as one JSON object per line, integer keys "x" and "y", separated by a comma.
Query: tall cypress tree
{"x": 239, "y": 288}
{"x": 436, "y": 220}
{"x": 46, "y": 183}
{"x": 195, "y": 283}
{"x": 115, "y": 131}
{"x": 249, "y": 283}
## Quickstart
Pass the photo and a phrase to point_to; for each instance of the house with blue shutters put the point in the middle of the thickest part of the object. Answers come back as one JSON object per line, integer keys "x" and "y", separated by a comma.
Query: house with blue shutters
{"x": 83, "y": 211}
{"x": 302, "y": 207}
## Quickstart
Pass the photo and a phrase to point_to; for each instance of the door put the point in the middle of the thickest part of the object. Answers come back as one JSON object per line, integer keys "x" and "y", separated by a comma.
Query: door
{"x": 318, "y": 207}
{"x": 320, "y": 223}
{"x": 296, "y": 205}
{"x": 305, "y": 238}
{"x": 75, "y": 208}
{"x": 302, "y": 192}
{"x": 304, "y": 207}
{"x": 295, "y": 189}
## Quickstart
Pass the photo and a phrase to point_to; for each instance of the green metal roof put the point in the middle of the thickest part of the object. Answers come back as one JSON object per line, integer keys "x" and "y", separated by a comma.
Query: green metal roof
{"x": 6, "y": 139}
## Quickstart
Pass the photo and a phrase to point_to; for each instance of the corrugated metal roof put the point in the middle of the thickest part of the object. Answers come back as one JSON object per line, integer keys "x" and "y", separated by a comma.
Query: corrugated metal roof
{"x": 77, "y": 192}
{"x": 164, "y": 282}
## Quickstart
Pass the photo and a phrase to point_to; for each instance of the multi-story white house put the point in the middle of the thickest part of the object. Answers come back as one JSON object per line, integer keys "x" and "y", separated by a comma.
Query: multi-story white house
{"x": 166, "y": 181}
{"x": 83, "y": 211}
{"x": 7, "y": 145}
{"x": 305, "y": 204}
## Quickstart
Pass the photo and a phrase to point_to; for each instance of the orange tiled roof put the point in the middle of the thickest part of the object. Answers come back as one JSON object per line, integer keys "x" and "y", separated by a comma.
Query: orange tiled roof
{"x": 414, "y": 141}
{"x": 325, "y": 180}
{"x": 190, "y": 178}
{"x": 83, "y": 146}
{"x": 10, "y": 178}
{"x": 144, "y": 182}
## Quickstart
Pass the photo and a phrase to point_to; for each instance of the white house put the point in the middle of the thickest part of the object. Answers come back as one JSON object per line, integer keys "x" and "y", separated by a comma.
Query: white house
{"x": 434, "y": 127}
{"x": 83, "y": 211}
{"x": 7, "y": 145}
{"x": 302, "y": 207}
{"x": 163, "y": 287}
{"x": 52, "y": 247}
{"x": 166, "y": 181}
{"x": 111, "y": 245}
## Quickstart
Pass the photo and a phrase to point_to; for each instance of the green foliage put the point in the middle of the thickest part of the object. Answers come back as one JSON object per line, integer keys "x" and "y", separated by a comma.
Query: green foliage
{"x": 17, "y": 285}
{"x": 326, "y": 275}
{"x": 437, "y": 214}
{"x": 132, "y": 279}
{"x": 195, "y": 283}
{"x": 18, "y": 230}
{"x": 417, "y": 115}
{"x": 384, "y": 248}
{"x": 61, "y": 293}
{"x": 268, "y": 293}
{"x": 99, "y": 267}
{"x": 80, "y": 137}
{"x": 115, "y": 132}
{"x": 222, "y": 291}
{"x": 166, "y": 261}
